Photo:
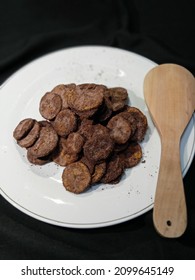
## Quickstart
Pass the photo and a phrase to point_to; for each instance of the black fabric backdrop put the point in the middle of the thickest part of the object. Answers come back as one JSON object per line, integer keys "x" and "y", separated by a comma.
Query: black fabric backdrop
{"x": 160, "y": 30}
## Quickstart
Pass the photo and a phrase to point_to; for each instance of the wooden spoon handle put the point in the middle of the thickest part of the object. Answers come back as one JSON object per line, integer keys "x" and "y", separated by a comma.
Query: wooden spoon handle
{"x": 170, "y": 214}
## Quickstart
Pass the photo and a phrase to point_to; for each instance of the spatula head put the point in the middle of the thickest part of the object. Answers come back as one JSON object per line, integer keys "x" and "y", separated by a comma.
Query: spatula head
{"x": 169, "y": 91}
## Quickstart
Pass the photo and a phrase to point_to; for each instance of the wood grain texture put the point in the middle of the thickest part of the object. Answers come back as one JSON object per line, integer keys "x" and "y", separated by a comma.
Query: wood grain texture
{"x": 169, "y": 91}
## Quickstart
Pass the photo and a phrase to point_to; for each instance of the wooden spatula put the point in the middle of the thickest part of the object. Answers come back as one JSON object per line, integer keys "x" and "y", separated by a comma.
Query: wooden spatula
{"x": 169, "y": 91}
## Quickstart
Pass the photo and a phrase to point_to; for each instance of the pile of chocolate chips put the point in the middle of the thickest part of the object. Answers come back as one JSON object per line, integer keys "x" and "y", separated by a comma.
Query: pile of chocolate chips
{"x": 87, "y": 128}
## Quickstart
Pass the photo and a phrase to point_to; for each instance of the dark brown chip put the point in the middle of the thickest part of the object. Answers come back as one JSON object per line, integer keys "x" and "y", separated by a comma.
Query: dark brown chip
{"x": 74, "y": 143}
{"x": 62, "y": 142}
{"x": 90, "y": 164}
{"x": 45, "y": 123}
{"x": 65, "y": 122}
{"x": 103, "y": 113}
{"x": 115, "y": 98}
{"x": 31, "y": 137}
{"x": 86, "y": 128}
{"x": 118, "y": 105}
{"x": 141, "y": 123}
{"x": 76, "y": 177}
{"x": 45, "y": 144}
{"x": 63, "y": 91}
{"x": 120, "y": 129}
{"x": 98, "y": 147}
{"x": 50, "y": 105}
{"x": 120, "y": 147}
{"x": 116, "y": 181}
{"x": 59, "y": 152}
{"x": 99, "y": 129}
{"x": 118, "y": 94}
{"x": 114, "y": 169}
{"x": 98, "y": 173}
{"x": 63, "y": 159}
{"x": 85, "y": 114}
{"x": 86, "y": 97}
{"x": 130, "y": 118}
{"x": 38, "y": 161}
{"x": 61, "y": 155}
{"x": 70, "y": 158}
{"x": 23, "y": 128}
{"x": 132, "y": 155}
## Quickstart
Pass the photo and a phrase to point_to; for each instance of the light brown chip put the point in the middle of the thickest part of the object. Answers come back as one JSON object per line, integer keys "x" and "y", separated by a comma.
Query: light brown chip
{"x": 98, "y": 173}
{"x": 31, "y": 137}
{"x": 120, "y": 129}
{"x": 50, "y": 105}
{"x": 76, "y": 177}
{"x": 63, "y": 91}
{"x": 45, "y": 144}
{"x": 65, "y": 122}
{"x": 132, "y": 155}
{"x": 23, "y": 128}
{"x": 86, "y": 97}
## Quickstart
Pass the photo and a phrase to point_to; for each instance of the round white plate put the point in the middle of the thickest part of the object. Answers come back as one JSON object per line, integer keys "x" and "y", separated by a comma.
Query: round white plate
{"x": 38, "y": 191}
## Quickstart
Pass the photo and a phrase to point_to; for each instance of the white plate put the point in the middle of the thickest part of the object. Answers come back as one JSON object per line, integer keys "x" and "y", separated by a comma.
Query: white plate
{"x": 38, "y": 191}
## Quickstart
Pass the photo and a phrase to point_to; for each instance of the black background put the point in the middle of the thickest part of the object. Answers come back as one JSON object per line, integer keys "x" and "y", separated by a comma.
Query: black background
{"x": 164, "y": 32}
